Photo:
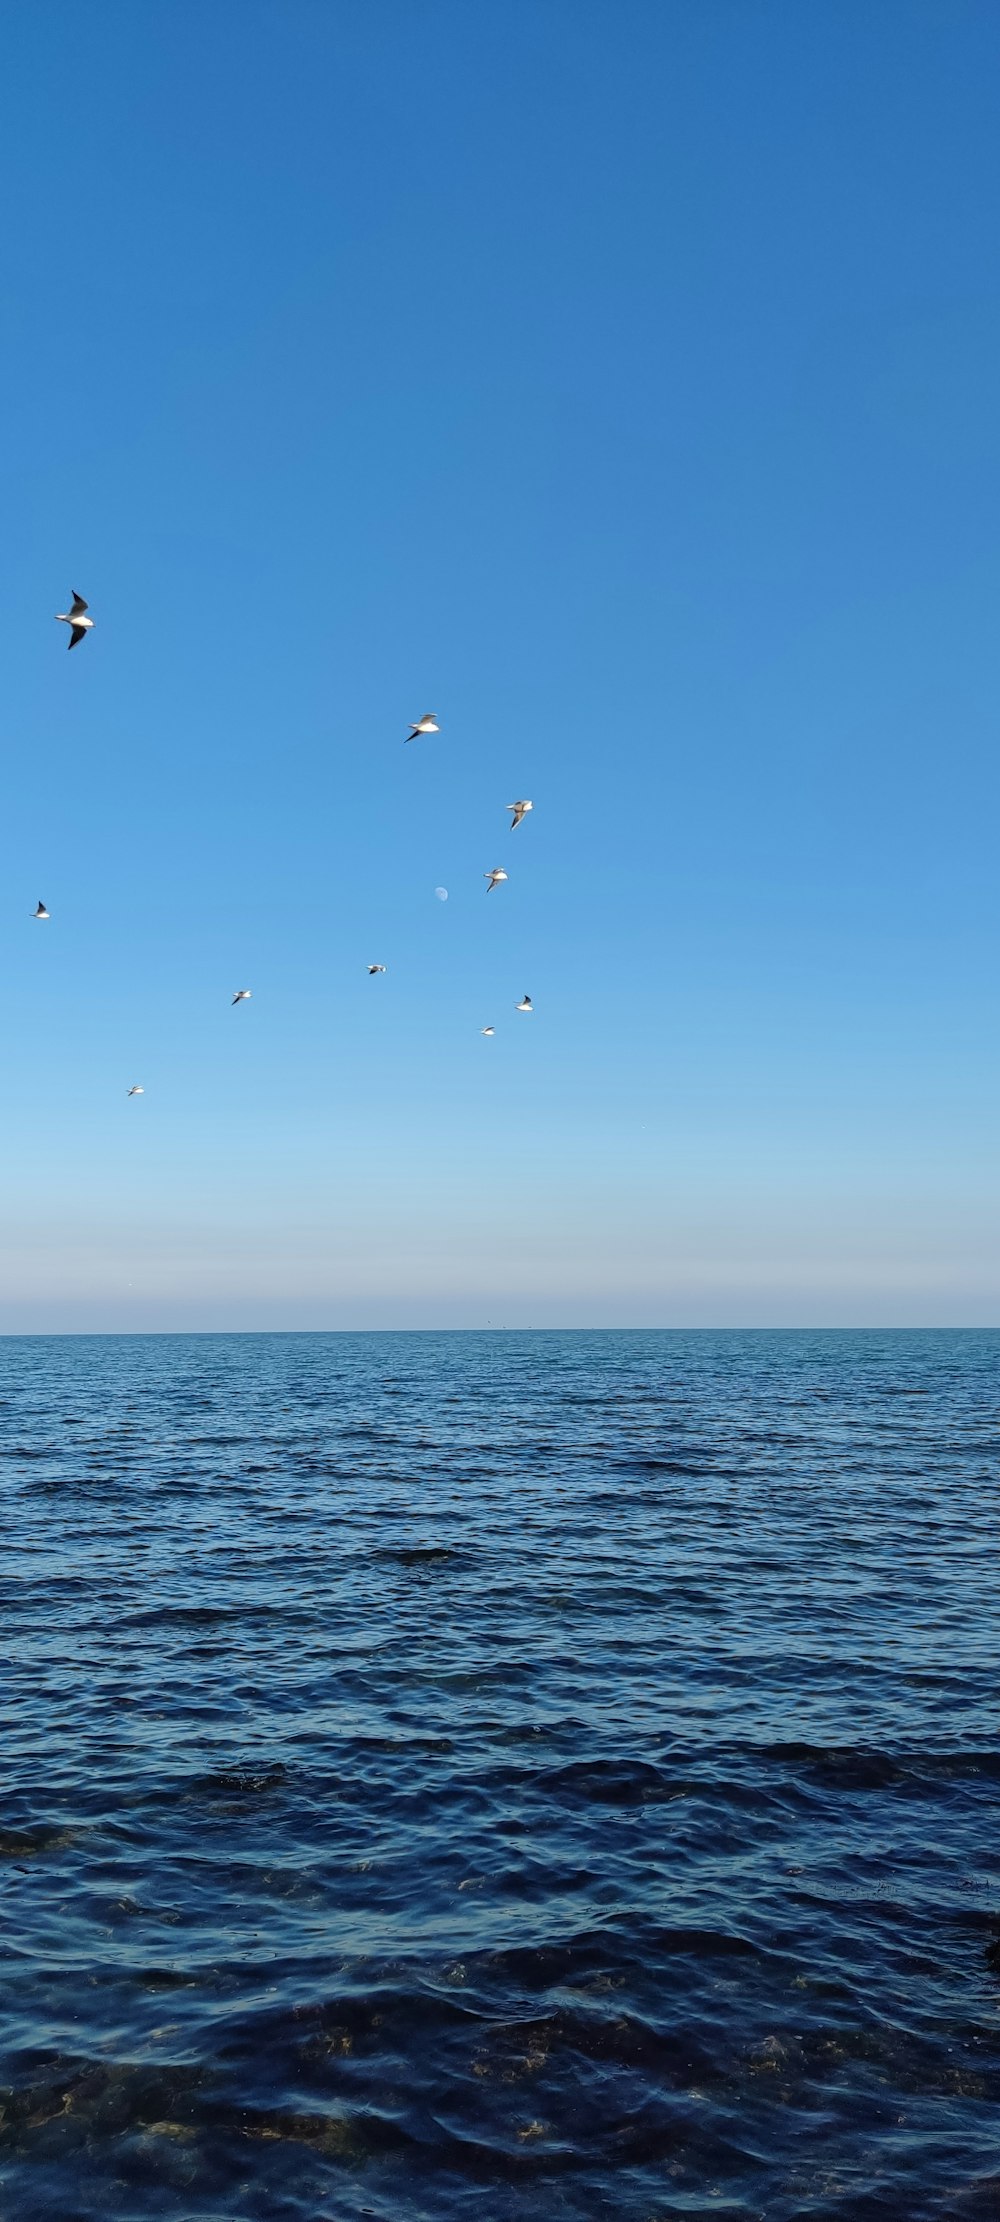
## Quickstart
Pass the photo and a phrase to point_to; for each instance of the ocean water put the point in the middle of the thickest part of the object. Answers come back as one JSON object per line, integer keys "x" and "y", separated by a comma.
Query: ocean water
{"x": 508, "y": 1775}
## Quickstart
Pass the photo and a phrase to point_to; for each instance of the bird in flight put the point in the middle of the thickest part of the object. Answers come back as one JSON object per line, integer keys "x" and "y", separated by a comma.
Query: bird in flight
{"x": 373, "y": 968}
{"x": 496, "y": 878}
{"x": 487, "y": 1030}
{"x": 427, "y": 724}
{"x": 41, "y": 912}
{"x": 525, "y": 1004}
{"x": 76, "y": 618}
{"x": 519, "y": 809}
{"x": 137, "y": 1091}
{"x": 242, "y": 995}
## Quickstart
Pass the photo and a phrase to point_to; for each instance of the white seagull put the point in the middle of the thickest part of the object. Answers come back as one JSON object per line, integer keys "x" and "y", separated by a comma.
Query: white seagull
{"x": 496, "y": 878}
{"x": 242, "y": 995}
{"x": 76, "y": 618}
{"x": 137, "y": 1091}
{"x": 427, "y": 724}
{"x": 519, "y": 809}
{"x": 525, "y": 1004}
{"x": 41, "y": 912}
{"x": 373, "y": 968}
{"x": 487, "y": 1029}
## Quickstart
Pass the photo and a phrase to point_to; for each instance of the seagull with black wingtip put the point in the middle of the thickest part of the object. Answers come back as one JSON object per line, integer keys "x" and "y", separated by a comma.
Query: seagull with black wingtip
{"x": 41, "y": 912}
{"x": 495, "y": 878}
{"x": 242, "y": 995}
{"x": 427, "y": 724}
{"x": 520, "y": 810}
{"x": 525, "y": 1004}
{"x": 76, "y": 618}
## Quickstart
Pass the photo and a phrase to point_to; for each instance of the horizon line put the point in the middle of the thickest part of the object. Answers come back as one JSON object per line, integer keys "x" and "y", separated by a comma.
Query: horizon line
{"x": 799, "y": 1327}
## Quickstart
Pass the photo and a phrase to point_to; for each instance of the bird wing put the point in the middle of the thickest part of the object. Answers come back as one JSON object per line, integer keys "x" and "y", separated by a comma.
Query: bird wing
{"x": 77, "y": 632}
{"x": 79, "y": 605}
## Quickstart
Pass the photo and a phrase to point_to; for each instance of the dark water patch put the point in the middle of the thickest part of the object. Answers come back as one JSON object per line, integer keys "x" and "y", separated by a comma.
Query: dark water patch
{"x": 31, "y": 1843}
{"x": 421, "y": 1555}
{"x": 239, "y": 1782}
{"x": 237, "y": 1613}
{"x": 164, "y": 1979}
{"x": 858, "y": 1768}
{"x": 610, "y": 1782}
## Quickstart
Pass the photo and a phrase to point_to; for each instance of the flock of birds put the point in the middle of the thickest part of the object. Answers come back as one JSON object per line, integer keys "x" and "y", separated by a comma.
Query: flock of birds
{"x": 80, "y": 623}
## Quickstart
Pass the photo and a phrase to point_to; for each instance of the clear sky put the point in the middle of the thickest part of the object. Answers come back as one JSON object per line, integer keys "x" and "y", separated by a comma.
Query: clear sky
{"x": 619, "y": 383}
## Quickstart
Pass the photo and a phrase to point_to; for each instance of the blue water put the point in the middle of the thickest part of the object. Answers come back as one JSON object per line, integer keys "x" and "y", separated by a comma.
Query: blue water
{"x": 518, "y": 1775}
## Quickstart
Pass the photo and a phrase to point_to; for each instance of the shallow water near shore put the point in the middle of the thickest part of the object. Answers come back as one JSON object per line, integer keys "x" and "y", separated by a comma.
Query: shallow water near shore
{"x": 519, "y": 1775}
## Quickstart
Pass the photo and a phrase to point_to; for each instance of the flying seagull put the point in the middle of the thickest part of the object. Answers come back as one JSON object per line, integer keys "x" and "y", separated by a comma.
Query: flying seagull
{"x": 519, "y": 809}
{"x": 495, "y": 878}
{"x": 76, "y": 618}
{"x": 242, "y": 995}
{"x": 525, "y": 1004}
{"x": 137, "y": 1091}
{"x": 487, "y": 1029}
{"x": 373, "y": 968}
{"x": 41, "y": 912}
{"x": 427, "y": 724}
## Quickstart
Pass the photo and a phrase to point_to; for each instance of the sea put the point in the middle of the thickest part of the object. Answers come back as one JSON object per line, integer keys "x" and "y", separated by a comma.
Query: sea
{"x": 528, "y": 1776}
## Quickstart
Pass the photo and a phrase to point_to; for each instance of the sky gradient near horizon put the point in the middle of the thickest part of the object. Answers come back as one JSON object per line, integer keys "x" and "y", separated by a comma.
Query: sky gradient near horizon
{"x": 620, "y": 384}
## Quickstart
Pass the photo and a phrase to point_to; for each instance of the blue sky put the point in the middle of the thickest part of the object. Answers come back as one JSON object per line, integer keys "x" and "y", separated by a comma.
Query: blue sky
{"x": 619, "y": 383}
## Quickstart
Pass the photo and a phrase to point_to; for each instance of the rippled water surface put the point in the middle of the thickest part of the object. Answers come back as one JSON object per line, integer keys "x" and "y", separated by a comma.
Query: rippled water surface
{"x": 518, "y": 1775}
